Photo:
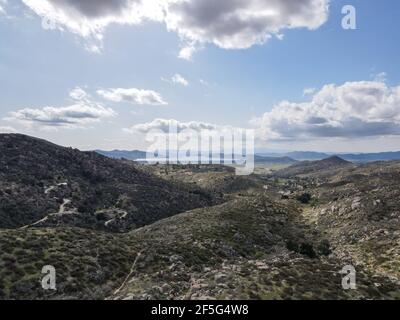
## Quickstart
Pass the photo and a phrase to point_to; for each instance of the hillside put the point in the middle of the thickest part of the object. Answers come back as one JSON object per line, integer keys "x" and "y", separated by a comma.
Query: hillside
{"x": 359, "y": 211}
{"x": 114, "y": 229}
{"x": 309, "y": 168}
{"x": 356, "y": 209}
{"x": 216, "y": 179}
{"x": 38, "y": 179}
{"x": 239, "y": 250}
{"x": 247, "y": 248}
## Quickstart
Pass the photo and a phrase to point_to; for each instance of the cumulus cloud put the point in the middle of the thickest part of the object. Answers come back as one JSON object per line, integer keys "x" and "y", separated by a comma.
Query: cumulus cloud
{"x": 351, "y": 110}
{"x": 163, "y": 125}
{"x": 133, "y": 95}
{"x": 89, "y": 18}
{"x": 229, "y": 24}
{"x": 239, "y": 24}
{"x": 81, "y": 113}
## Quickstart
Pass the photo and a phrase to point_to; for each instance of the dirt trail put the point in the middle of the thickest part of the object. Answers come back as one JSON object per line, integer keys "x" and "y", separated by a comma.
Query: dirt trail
{"x": 130, "y": 274}
{"x": 61, "y": 211}
{"x": 63, "y": 205}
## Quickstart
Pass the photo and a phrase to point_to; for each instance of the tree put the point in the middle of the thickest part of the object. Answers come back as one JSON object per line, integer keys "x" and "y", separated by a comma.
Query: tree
{"x": 304, "y": 198}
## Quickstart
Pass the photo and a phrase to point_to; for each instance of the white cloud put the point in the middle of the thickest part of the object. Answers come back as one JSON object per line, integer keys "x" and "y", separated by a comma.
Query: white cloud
{"x": 89, "y": 18}
{"x": 78, "y": 94}
{"x": 7, "y": 130}
{"x": 177, "y": 79}
{"x": 308, "y": 91}
{"x": 351, "y": 110}
{"x": 81, "y": 113}
{"x": 3, "y": 4}
{"x": 187, "y": 52}
{"x": 164, "y": 125}
{"x": 229, "y": 24}
{"x": 380, "y": 77}
{"x": 239, "y": 24}
{"x": 133, "y": 95}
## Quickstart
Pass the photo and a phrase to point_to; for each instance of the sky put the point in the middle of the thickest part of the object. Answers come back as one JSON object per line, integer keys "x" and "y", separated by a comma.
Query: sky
{"x": 101, "y": 74}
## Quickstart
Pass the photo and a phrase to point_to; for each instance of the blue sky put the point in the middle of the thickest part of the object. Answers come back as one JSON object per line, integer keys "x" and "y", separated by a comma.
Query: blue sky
{"x": 239, "y": 87}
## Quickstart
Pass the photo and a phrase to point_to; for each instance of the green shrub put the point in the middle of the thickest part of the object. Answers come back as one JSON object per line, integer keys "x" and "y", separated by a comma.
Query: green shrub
{"x": 304, "y": 198}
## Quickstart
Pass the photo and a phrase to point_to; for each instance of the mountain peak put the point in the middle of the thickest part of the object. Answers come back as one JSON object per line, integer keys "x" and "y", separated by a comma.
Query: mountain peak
{"x": 335, "y": 160}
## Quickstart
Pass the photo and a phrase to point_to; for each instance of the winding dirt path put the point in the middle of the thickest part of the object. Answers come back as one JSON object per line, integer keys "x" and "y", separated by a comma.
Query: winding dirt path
{"x": 61, "y": 211}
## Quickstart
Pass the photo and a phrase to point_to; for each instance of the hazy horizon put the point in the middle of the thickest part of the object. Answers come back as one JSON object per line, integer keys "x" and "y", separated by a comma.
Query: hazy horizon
{"x": 102, "y": 77}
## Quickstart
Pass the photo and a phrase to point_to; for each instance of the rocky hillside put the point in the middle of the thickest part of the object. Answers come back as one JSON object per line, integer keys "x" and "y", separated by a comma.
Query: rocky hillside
{"x": 216, "y": 179}
{"x": 44, "y": 184}
{"x": 360, "y": 211}
{"x": 247, "y": 248}
{"x": 356, "y": 209}
{"x": 114, "y": 229}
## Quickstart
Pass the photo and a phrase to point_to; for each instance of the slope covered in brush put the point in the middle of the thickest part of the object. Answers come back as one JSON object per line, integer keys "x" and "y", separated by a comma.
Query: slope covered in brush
{"x": 38, "y": 178}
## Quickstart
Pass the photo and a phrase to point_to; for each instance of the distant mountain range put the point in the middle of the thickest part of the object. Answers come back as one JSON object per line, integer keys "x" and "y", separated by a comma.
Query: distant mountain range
{"x": 353, "y": 157}
{"x": 137, "y": 155}
{"x": 320, "y": 167}
{"x": 369, "y": 157}
{"x": 276, "y": 158}
{"x": 307, "y": 155}
{"x": 123, "y": 154}
{"x": 361, "y": 157}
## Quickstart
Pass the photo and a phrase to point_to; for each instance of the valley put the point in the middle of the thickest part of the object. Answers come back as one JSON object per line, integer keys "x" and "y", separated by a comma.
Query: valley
{"x": 115, "y": 229}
